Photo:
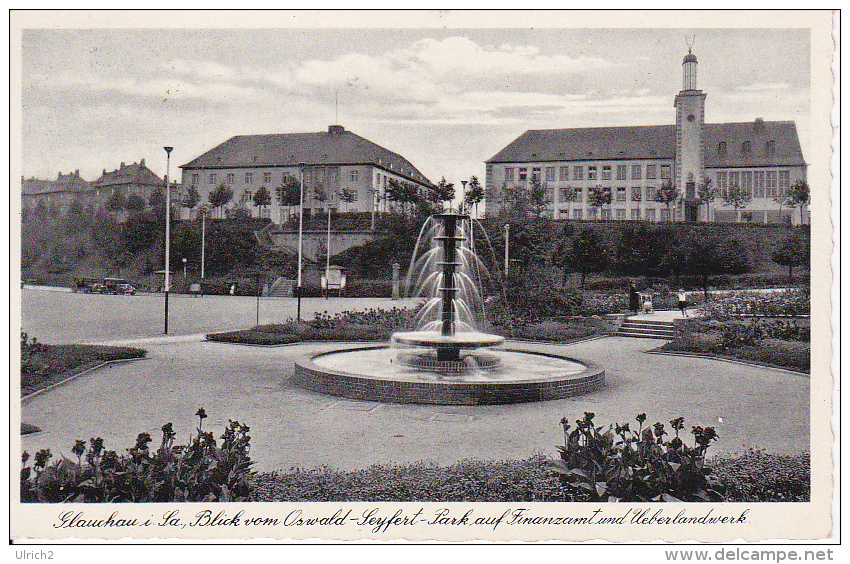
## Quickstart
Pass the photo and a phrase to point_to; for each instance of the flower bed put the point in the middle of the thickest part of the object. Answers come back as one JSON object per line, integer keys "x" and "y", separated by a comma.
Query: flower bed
{"x": 43, "y": 365}
{"x": 785, "y": 303}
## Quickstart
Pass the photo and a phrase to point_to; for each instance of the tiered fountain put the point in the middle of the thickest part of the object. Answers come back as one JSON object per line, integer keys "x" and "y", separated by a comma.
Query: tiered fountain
{"x": 444, "y": 360}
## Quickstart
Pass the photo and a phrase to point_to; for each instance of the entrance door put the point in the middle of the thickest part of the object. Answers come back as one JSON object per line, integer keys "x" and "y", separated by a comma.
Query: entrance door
{"x": 691, "y": 212}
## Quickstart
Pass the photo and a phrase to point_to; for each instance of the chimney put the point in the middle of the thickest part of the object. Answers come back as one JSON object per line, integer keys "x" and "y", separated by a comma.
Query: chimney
{"x": 104, "y": 172}
{"x": 122, "y": 164}
{"x": 77, "y": 173}
{"x": 142, "y": 162}
{"x": 336, "y": 129}
{"x": 758, "y": 126}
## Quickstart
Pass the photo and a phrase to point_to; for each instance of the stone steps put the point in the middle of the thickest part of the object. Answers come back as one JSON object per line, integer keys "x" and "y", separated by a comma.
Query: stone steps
{"x": 646, "y": 329}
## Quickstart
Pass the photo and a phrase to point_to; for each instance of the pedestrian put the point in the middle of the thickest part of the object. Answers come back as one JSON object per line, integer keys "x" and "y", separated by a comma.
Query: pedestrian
{"x": 634, "y": 298}
{"x": 683, "y": 302}
{"x": 233, "y": 289}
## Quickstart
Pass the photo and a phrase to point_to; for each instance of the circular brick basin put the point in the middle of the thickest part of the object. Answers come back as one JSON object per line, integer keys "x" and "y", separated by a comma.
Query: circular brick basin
{"x": 372, "y": 373}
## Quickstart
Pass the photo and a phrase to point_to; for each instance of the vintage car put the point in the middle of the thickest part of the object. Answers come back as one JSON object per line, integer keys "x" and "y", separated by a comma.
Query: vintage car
{"x": 117, "y": 286}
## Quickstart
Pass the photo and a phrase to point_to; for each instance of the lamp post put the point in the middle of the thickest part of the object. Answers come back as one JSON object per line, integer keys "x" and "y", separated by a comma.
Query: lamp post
{"x": 507, "y": 243}
{"x": 184, "y": 268}
{"x": 300, "y": 235}
{"x": 328, "y": 253}
{"x": 203, "y": 237}
{"x": 167, "y": 231}
{"x": 463, "y": 199}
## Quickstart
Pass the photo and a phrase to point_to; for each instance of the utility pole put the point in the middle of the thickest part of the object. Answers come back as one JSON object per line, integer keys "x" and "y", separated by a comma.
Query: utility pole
{"x": 300, "y": 236}
{"x": 203, "y": 238}
{"x": 507, "y": 243}
{"x": 167, "y": 231}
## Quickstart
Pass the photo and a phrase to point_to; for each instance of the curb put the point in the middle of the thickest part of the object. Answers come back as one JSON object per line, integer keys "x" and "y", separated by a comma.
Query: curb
{"x": 28, "y": 397}
{"x": 730, "y": 360}
{"x": 556, "y": 343}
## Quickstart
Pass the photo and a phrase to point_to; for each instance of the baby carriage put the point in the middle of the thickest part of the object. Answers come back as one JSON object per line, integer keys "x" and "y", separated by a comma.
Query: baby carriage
{"x": 646, "y": 302}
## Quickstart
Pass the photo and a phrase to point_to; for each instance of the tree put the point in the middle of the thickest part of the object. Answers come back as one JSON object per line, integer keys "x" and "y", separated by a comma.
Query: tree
{"x": 262, "y": 198}
{"x": 537, "y": 197}
{"x": 395, "y": 193}
{"x": 40, "y": 210}
{"x": 645, "y": 250}
{"x": 798, "y": 197}
{"x": 792, "y": 251}
{"x": 116, "y": 202}
{"x": 738, "y": 198}
{"x": 157, "y": 199}
{"x": 705, "y": 253}
{"x": 442, "y": 192}
{"x": 135, "y": 203}
{"x": 706, "y": 193}
{"x": 668, "y": 195}
{"x": 347, "y": 196}
{"x": 587, "y": 254}
{"x": 191, "y": 199}
{"x": 563, "y": 249}
{"x": 514, "y": 202}
{"x": 474, "y": 193}
{"x": 289, "y": 194}
{"x": 220, "y": 197}
{"x": 597, "y": 196}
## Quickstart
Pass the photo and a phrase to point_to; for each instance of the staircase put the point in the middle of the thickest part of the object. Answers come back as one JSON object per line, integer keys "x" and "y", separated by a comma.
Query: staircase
{"x": 281, "y": 288}
{"x": 646, "y": 329}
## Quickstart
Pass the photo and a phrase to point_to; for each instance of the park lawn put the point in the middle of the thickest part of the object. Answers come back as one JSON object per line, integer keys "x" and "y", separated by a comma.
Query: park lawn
{"x": 791, "y": 355}
{"x": 49, "y": 364}
{"x": 753, "y": 476}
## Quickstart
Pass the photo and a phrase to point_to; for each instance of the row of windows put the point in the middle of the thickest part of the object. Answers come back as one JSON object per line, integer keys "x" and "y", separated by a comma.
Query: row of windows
{"x": 331, "y": 175}
{"x": 578, "y": 172}
{"x": 746, "y": 148}
{"x": 761, "y": 183}
{"x": 618, "y": 213}
{"x": 636, "y": 193}
{"x": 248, "y": 195}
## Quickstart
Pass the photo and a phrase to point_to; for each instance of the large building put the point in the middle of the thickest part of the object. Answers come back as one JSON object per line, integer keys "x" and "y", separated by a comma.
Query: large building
{"x": 332, "y": 163}
{"x": 632, "y": 163}
{"x": 134, "y": 178}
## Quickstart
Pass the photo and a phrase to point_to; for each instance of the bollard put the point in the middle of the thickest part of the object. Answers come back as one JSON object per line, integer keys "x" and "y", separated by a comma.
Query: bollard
{"x": 396, "y": 267}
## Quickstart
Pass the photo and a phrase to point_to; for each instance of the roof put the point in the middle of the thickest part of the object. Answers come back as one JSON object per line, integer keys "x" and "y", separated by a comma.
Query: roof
{"x": 591, "y": 143}
{"x": 657, "y": 142}
{"x": 333, "y": 147}
{"x": 71, "y": 182}
{"x": 136, "y": 173}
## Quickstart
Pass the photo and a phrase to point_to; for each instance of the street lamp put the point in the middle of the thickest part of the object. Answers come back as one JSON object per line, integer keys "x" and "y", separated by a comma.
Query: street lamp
{"x": 507, "y": 243}
{"x": 463, "y": 199}
{"x": 184, "y": 268}
{"x": 300, "y": 234}
{"x": 167, "y": 231}
{"x": 203, "y": 237}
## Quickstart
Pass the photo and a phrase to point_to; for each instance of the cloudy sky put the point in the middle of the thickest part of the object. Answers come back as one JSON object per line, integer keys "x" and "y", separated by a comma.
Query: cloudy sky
{"x": 446, "y": 99}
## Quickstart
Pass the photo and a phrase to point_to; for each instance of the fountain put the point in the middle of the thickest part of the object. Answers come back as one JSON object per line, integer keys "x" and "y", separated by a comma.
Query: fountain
{"x": 447, "y": 359}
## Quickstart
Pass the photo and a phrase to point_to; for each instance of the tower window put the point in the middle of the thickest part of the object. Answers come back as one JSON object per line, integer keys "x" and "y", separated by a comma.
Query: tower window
{"x": 691, "y": 117}
{"x": 721, "y": 149}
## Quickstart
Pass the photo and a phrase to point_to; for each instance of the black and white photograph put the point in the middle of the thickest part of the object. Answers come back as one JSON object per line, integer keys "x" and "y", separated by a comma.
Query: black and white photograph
{"x": 422, "y": 276}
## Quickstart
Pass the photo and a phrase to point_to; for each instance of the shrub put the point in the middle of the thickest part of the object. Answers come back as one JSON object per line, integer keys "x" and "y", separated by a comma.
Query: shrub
{"x": 758, "y": 476}
{"x": 625, "y": 465}
{"x": 198, "y": 471}
{"x": 735, "y": 334}
{"x": 787, "y": 303}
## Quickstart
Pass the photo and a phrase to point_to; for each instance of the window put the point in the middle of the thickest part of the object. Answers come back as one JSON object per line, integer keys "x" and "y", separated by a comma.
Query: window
{"x": 721, "y": 183}
{"x": 212, "y": 178}
{"x": 566, "y": 193}
{"x": 758, "y": 184}
{"x": 733, "y": 180}
{"x": 267, "y": 177}
{"x": 635, "y": 215}
{"x": 579, "y": 195}
{"x": 550, "y": 174}
{"x": 635, "y": 172}
{"x": 535, "y": 174}
{"x": 249, "y": 178}
{"x": 745, "y": 148}
{"x": 650, "y": 172}
{"x": 564, "y": 173}
{"x": 285, "y": 177}
{"x": 721, "y": 149}
{"x": 747, "y": 181}
{"x": 621, "y": 194}
{"x": 784, "y": 182}
{"x": 650, "y": 193}
{"x": 665, "y": 214}
{"x": 509, "y": 174}
{"x": 606, "y": 214}
{"x": 591, "y": 173}
{"x": 523, "y": 174}
{"x": 578, "y": 173}
{"x": 354, "y": 176}
{"x": 650, "y": 215}
{"x": 230, "y": 177}
{"x": 606, "y": 172}
{"x": 578, "y": 214}
{"x": 248, "y": 196}
{"x": 621, "y": 214}
{"x": 771, "y": 183}
{"x": 195, "y": 179}
{"x": 549, "y": 195}
{"x": 770, "y": 148}
{"x": 621, "y": 172}
{"x": 354, "y": 195}
{"x": 665, "y": 172}
{"x": 636, "y": 194}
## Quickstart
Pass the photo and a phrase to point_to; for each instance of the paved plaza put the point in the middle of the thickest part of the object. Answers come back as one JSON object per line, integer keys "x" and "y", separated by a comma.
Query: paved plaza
{"x": 290, "y": 427}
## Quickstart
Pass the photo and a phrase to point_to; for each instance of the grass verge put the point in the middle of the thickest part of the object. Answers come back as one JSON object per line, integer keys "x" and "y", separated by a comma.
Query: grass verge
{"x": 49, "y": 364}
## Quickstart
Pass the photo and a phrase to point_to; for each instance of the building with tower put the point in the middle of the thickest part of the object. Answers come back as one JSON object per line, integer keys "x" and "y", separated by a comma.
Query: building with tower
{"x": 763, "y": 158}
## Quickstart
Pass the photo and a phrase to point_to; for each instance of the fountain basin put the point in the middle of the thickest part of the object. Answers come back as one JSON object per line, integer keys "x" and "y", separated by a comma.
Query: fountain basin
{"x": 372, "y": 373}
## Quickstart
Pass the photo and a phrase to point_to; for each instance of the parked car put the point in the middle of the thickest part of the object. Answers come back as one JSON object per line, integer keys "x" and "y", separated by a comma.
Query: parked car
{"x": 86, "y": 285}
{"x": 127, "y": 289}
{"x": 117, "y": 286}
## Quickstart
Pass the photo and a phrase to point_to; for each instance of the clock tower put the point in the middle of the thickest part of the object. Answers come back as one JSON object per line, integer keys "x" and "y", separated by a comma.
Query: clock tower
{"x": 689, "y": 168}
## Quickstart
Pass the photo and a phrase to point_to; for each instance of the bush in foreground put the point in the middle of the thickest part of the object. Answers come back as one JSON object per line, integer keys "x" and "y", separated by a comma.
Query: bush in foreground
{"x": 198, "y": 471}
{"x": 758, "y": 476}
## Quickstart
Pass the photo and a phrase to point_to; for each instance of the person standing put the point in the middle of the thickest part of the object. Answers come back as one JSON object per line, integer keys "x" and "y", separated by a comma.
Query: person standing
{"x": 683, "y": 302}
{"x": 634, "y": 298}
